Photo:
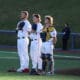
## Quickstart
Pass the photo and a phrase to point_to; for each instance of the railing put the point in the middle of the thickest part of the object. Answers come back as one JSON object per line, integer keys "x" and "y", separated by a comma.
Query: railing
{"x": 74, "y": 38}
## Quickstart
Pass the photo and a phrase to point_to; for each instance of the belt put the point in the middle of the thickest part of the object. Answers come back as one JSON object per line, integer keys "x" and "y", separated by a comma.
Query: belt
{"x": 20, "y": 37}
{"x": 33, "y": 39}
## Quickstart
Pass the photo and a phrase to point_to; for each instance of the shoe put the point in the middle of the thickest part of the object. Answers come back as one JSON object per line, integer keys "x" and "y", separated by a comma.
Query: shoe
{"x": 40, "y": 71}
{"x": 33, "y": 72}
{"x": 19, "y": 70}
{"x": 25, "y": 70}
{"x": 50, "y": 73}
{"x": 43, "y": 72}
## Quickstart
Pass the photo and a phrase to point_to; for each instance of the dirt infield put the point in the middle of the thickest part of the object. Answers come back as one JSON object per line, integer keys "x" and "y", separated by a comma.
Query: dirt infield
{"x": 69, "y": 71}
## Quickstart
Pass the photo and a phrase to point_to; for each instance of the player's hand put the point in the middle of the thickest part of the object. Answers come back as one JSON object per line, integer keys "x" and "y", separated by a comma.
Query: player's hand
{"x": 54, "y": 40}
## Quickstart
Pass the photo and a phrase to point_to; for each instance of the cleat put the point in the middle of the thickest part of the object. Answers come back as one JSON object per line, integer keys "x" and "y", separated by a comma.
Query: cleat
{"x": 34, "y": 72}
{"x": 25, "y": 70}
{"x": 50, "y": 73}
{"x": 40, "y": 72}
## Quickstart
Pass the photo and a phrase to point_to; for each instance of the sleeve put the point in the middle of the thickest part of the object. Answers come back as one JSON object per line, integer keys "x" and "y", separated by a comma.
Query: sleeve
{"x": 53, "y": 33}
{"x": 34, "y": 27}
{"x": 21, "y": 25}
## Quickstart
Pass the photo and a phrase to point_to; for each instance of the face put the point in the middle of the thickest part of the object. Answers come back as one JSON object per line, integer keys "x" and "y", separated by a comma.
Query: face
{"x": 46, "y": 21}
{"x": 22, "y": 16}
{"x": 35, "y": 20}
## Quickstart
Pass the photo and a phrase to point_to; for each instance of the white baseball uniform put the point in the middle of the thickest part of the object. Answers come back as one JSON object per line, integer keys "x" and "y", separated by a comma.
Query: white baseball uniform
{"x": 47, "y": 46}
{"x": 35, "y": 48}
{"x": 22, "y": 44}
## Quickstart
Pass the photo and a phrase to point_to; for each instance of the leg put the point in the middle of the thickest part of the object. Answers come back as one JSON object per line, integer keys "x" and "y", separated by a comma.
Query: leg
{"x": 50, "y": 64}
{"x": 66, "y": 41}
{"x": 44, "y": 59}
{"x": 25, "y": 53}
{"x": 20, "y": 54}
{"x": 33, "y": 55}
{"x": 64, "y": 44}
{"x": 39, "y": 63}
{"x": 50, "y": 59}
{"x": 39, "y": 59}
{"x": 44, "y": 63}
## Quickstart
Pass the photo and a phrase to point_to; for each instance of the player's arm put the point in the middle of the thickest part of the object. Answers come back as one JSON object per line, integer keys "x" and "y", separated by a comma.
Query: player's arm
{"x": 54, "y": 40}
{"x": 54, "y": 36}
{"x": 44, "y": 29}
{"x": 20, "y": 26}
{"x": 34, "y": 28}
{"x": 28, "y": 28}
{"x": 17, "y": 28}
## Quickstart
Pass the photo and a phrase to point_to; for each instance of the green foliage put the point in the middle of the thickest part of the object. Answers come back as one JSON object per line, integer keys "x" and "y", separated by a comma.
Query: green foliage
{"x": 62, "y": 11}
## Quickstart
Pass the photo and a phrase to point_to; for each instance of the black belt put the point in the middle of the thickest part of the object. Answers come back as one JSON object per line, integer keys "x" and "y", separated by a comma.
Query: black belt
{"x": 33, "y": 39}
{"x": 20, "y": 37}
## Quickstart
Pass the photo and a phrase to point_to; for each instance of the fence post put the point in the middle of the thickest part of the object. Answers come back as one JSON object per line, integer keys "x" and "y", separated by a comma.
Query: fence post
{"x": 72, "y": 41}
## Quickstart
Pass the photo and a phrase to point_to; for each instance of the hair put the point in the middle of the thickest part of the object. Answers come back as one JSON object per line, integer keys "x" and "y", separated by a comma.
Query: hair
{"x": 25, "y": 12}
{"x": 50, "y": 18}
{"x": 67, "y": 24}
{"x": 37, "y": 16}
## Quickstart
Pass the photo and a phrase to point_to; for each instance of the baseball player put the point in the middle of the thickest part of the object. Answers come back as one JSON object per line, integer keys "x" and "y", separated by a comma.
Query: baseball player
{"x": 36, "y": 43}
{"x": 23, "y": 29}
{"x": 49, "y": 40}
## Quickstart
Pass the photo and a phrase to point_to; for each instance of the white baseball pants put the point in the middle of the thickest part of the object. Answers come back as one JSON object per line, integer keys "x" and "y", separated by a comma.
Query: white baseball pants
{"x": 35, "y": 53}
{"x": 22, "y": 46}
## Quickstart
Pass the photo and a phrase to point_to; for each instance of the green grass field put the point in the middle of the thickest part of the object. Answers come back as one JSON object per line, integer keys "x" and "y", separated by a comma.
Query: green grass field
{"x": 62, "y": 11}
{"x": 10, "y": 60}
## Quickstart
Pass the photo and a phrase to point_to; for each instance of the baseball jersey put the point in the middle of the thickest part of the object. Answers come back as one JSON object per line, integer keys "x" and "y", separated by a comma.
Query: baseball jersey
{"x": 36, "y": 35}
{"x": 48, "y": 33}
{"x": 23, "y": 28}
